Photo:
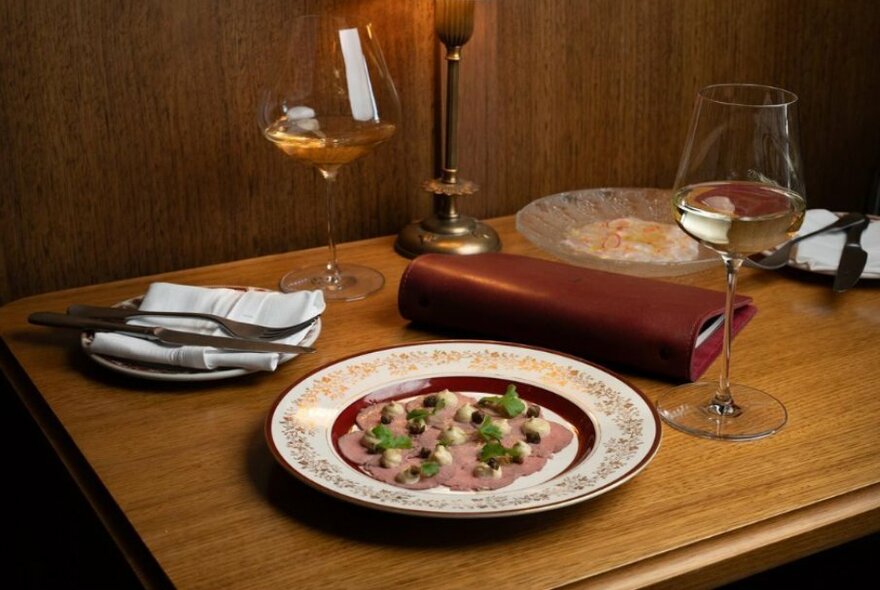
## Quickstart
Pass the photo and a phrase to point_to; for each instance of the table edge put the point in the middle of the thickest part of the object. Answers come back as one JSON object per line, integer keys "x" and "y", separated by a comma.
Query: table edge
{"x": 752, "y": 549}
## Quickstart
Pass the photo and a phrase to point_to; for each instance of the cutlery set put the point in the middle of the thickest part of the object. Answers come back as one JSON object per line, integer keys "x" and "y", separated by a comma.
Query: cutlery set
{"x": 233, "y": 327}
{"x": 248, "y": 337}
{"x": 852, "y": 259}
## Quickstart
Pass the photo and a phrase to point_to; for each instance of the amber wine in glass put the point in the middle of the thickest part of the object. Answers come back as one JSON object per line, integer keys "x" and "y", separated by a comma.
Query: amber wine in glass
{"x": 331, "y": 102}
{"x": 739, "y": 191}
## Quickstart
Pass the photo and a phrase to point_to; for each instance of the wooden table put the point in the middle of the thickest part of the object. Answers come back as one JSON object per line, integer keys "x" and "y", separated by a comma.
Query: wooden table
{"x": 182, "y": 477}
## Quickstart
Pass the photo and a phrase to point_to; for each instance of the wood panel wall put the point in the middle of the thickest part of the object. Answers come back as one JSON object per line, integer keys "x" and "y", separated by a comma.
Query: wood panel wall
{"x": 129, "y": 142}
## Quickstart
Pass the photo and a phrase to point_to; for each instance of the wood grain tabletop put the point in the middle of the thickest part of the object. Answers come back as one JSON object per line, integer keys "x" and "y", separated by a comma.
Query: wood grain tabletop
{"x": 183, "y": 479}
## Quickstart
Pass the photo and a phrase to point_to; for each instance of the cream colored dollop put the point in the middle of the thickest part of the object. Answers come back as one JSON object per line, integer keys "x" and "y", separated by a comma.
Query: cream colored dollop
{"x": 391, "y": 458}
{"x": 465, "y": 413}
{"x": 502, "y": 424}
{"x": 537, "y": 426}
{"x": 407, "y": 476}
{"x": 485, "y": 470}
{"x": 370, "y": 441}
{"x": 520, "y": 451}
{"x": 393, "y": 410}
{"x": 442, "y": 455}
{"x": 453, "y": 436}
{"x": 447, "y": 399}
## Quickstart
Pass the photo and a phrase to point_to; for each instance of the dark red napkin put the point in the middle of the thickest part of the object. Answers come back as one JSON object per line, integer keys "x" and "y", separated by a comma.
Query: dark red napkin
{"x": 645, "y": 325}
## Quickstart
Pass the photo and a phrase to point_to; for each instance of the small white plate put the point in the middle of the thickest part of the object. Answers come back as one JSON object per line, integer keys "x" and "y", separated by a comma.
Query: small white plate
{"x": 158, "y": 372}
{"x": 617, "y": 428}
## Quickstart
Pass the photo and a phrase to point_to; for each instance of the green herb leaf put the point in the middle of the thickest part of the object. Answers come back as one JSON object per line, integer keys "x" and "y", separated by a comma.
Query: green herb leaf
{"x": 389, "y": 440}
{"x": 492, "y": 449}
{"x": 488, "y": 431}
{"x": 430, "y": 468}
{"x": 418, "y": 414}
{"x": 513, "y": 406}
{"x": 509, "y": 403}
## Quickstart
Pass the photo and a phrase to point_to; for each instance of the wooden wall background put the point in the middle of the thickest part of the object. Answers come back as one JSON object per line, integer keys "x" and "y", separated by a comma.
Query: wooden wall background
{"x": 129, "y": 143}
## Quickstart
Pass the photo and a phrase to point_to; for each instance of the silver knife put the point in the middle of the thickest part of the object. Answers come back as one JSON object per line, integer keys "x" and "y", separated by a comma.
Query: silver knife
{"x": 852, "y": 259}
{"x": 48, "y": 318}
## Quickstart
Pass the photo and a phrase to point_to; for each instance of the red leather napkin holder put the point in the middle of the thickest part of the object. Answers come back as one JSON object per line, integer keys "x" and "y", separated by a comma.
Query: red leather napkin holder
{"x": 645, "y": 325}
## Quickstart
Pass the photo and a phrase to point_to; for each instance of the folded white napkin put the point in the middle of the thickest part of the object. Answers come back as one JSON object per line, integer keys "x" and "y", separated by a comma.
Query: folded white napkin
{"x": 260, "y": 307}
{"x": 822, "y": 253}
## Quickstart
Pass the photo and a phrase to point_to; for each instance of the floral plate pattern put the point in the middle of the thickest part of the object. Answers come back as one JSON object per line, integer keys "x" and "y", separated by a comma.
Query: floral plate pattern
{"x": 624, "y": 426}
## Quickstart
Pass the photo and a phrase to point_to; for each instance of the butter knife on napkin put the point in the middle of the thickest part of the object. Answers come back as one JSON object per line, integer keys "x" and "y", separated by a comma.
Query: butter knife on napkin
{"x": 852, "y": 259}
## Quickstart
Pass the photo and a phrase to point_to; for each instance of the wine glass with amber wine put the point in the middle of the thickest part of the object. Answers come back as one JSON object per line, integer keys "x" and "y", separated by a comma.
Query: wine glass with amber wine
{"x": 739, "y": 190}
{"x": 330, "y": 101}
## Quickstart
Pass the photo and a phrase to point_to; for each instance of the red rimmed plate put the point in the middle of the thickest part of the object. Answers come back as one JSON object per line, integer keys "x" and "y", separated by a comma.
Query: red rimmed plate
{"x": 617, "y": 430}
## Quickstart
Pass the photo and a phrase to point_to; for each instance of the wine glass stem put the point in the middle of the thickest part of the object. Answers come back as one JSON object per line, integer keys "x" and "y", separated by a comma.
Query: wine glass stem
{"x": 332, "y": 267}
{"x": 723, "y": 404}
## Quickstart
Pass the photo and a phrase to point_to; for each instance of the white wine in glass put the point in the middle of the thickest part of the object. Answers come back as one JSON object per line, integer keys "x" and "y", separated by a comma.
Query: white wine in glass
{"x": 739, "y": 190}
{"x": 330, "y": 102}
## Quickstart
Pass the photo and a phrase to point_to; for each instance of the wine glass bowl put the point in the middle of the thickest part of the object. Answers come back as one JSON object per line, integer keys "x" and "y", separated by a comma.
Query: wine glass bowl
{"x": 330, "y": 101}
{"x": 738, "y": 191}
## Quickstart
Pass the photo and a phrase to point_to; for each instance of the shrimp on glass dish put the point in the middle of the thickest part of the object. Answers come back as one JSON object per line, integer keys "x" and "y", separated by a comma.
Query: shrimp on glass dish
{"x": 632, "y": 239}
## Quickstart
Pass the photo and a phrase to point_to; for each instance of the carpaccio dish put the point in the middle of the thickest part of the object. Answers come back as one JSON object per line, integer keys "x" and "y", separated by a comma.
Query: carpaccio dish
{"x": 450, "y": 439}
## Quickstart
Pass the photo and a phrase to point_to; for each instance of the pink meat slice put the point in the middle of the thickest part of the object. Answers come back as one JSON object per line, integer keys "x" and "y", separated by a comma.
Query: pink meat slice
{"x": 371, "y": 416}
{"x": 389, "y": 475}
{"x": 351, "y": 448}
{"x": 530, "y": 465}
{"x": 464, "y": 479}
{"x": 427, "y": 439}
{"x": 466, "y": 458}
{"x": 558, "y": 439}
{"x": 443, "y": 417}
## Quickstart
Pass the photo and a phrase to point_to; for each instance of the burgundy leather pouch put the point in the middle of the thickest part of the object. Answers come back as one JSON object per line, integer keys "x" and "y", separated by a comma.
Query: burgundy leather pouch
{"x": 644, "y": 325}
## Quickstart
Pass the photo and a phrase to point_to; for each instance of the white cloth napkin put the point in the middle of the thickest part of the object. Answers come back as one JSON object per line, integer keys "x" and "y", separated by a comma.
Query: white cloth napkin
{"x": 822, "y": 253}
{"x": 260, "y": 307}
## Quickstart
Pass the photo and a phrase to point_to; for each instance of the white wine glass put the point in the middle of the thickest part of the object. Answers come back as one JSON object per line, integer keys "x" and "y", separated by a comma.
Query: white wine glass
{"x": 330, "y": 101}
{"x": 739, "y": 190}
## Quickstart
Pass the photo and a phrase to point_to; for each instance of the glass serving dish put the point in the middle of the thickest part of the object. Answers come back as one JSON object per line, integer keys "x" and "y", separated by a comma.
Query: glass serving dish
{"x": 550, "y": 222}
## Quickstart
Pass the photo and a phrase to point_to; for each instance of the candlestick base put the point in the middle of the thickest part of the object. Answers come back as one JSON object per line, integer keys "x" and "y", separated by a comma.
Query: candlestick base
{"x": 433, "y": 235}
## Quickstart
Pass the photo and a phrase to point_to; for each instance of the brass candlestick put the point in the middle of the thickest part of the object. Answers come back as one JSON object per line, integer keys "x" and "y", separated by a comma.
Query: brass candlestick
{"x": 446, "y": 231}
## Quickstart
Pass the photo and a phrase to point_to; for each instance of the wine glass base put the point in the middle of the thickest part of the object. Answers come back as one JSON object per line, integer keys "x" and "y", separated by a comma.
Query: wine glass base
{"x": 352, "y": 283}
{"x": 688, "y": 408}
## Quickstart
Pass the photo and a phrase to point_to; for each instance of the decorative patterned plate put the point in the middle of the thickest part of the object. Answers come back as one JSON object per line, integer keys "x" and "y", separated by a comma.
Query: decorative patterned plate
{"x": 158, "y": 372}
{"x": 617, "y": 428}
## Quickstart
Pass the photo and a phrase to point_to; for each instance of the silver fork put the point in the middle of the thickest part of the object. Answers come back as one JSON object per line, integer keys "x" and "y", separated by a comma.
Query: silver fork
{"x": 235, "y": 328}
{"x": 780, "y": 257}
